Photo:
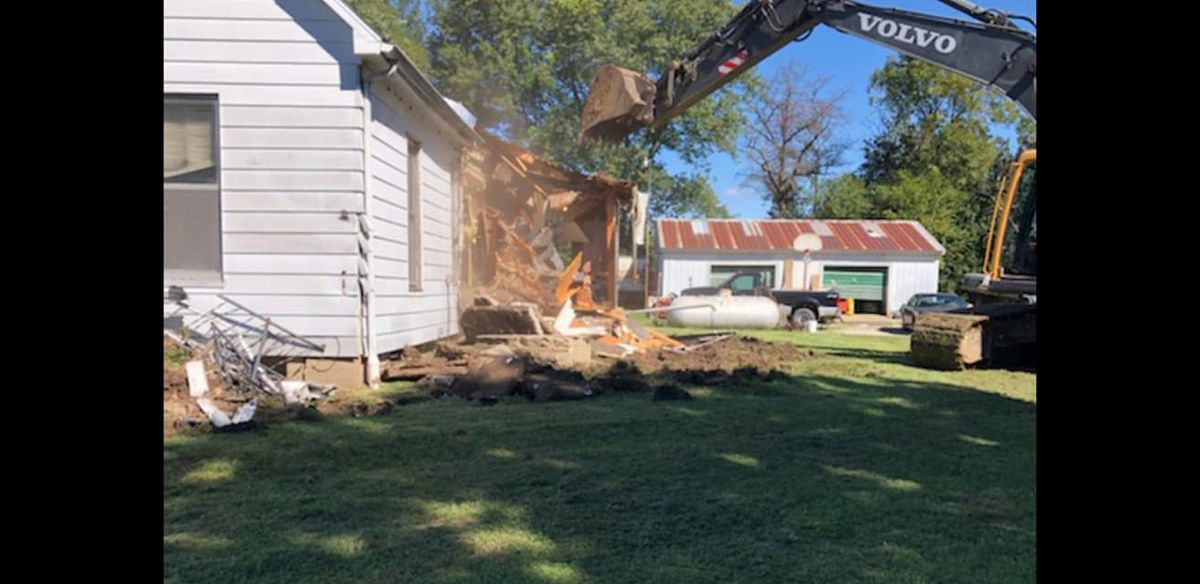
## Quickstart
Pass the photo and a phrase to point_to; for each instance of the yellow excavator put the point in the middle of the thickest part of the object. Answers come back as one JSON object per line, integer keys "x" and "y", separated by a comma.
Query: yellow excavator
{"x": 1000, "y": 327}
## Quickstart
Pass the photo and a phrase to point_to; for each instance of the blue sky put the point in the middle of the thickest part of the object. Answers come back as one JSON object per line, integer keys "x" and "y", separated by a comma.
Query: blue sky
{"x": 848, "y": 63}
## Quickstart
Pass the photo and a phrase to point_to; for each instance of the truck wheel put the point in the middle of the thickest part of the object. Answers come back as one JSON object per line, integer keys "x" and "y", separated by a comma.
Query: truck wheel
{"x": 801, "y": 316}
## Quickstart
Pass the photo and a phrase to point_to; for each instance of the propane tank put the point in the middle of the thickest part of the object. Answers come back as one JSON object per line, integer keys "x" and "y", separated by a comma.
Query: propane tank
{"x": 724, "y": 311}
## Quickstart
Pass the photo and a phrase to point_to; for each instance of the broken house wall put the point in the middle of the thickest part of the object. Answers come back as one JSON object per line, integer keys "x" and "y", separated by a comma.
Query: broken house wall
{"x": 518, "y": 189}
{"x": 292, "y": 171}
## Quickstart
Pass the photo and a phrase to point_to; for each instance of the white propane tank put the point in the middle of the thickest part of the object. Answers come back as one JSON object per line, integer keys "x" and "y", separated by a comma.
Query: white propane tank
{"x": 810, "y": 326}
{"x": 724, "y": 312}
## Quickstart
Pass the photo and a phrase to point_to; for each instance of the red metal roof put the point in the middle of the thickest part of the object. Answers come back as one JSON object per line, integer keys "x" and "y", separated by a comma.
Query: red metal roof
{"x": 841, "y": 235}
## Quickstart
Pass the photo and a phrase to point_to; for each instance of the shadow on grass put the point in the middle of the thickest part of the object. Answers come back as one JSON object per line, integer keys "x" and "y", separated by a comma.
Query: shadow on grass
{"x": 807, "y": 478}
{"x": 877, "y": 356}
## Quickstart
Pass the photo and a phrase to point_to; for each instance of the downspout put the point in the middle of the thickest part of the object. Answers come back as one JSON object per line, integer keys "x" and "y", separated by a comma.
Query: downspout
{"x": 368, "y": 255}
{"x": 458, "y": 239}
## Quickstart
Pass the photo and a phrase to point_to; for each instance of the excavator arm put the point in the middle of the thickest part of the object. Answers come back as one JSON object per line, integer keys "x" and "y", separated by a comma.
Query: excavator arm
{"x": 992, "y": 51}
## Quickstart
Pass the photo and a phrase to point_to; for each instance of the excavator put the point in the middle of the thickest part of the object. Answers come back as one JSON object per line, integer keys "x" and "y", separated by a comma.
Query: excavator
{"x": 1000, "y": 326}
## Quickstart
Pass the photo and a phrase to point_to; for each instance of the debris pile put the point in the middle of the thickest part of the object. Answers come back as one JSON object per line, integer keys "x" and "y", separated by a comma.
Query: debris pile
{"x": 511, "y": 350}
{"x": 538, "y": 307}
{"x": 197, "y": 398}
{"x": 525, "y": 217}
{"x": 216, "y": 340}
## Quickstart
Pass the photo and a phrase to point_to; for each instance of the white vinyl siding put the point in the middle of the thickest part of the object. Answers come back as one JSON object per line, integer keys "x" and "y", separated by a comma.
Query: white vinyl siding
{"x": 294, "y": 177}
{"x": 290, "y": 158}
{"x": 413, "y": 304}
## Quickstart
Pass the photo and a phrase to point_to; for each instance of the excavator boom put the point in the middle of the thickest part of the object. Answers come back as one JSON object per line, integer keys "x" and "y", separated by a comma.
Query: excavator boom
{"x": 992, "y": 51}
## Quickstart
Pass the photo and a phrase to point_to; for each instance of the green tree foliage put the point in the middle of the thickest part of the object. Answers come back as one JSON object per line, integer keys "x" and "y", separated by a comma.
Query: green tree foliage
{"x": 523, "y": 67}
{"x": 400, "y": 22}
{"x": 843, "y": 197}
{"x": 934, "y": 159}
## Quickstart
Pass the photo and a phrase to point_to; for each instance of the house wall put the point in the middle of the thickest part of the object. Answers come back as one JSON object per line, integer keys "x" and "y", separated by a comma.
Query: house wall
{"x": 403, "y": 317}
{"x": 907, "y": 274}
{"x": 293, "y": 175}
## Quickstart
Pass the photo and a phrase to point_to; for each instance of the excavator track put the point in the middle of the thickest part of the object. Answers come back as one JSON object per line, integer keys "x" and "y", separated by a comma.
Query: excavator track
{"x": 948, "y": 341}
{"x": 996, "y": 334}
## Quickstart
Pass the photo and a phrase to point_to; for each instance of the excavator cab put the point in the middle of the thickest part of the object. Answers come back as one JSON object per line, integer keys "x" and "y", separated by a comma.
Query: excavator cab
{"x": 1010, "y": 256}
{"x": 1020, "y": 253}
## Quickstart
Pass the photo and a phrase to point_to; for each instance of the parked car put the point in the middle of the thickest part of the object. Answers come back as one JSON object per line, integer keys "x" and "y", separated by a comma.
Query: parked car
{"x": 923, "y": 303}
{"x": 799, "y": 306}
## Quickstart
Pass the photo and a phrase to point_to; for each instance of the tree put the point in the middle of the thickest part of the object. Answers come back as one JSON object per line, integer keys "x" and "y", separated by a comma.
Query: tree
{"x": 844, "y": 197}
{"x": 934, "y": 117}
{"x": 524, "y": 68}
{"x": 791, "y": 138}
{"x": 400, "y": 22}
{"x": 934, "y": 159}
{"x": 930, "y": 198}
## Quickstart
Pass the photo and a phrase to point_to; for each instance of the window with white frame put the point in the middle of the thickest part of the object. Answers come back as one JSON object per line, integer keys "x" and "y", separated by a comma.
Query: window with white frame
{"x": 191, "y": 191}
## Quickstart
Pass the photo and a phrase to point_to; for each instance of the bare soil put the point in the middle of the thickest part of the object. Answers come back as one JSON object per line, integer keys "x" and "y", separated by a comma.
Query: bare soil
{"x": 734, "y": 359}
{"x": 737, "y": 360}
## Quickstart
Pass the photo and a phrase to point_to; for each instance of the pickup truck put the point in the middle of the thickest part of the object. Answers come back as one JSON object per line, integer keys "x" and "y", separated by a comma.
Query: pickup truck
{"x": 801, "y": 305}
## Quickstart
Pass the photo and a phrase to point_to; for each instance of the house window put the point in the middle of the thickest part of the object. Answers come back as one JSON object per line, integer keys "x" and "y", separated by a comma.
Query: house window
{"x": 191, "y": 191}
{"x": 414, "y": 215}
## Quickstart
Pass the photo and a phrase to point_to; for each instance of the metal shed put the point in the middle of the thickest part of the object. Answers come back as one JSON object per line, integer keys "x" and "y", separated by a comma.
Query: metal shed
{"x": 878, "y": 263}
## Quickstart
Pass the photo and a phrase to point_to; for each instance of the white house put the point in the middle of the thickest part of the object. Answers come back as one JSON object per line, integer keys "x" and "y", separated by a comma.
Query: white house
{"x": 310, "y": 173}
{"x": 880, "y": 264}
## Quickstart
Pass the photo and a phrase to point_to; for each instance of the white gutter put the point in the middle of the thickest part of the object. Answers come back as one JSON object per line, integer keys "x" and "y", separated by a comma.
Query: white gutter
{"x": 411, "y": 84}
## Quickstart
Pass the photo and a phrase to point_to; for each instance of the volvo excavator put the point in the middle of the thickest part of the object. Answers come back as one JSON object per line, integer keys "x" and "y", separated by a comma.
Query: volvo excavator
{"x": 1000, "y": 327}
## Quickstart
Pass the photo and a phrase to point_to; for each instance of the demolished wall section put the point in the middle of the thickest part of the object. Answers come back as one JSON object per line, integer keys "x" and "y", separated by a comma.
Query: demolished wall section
{"x": 523, "y": 215}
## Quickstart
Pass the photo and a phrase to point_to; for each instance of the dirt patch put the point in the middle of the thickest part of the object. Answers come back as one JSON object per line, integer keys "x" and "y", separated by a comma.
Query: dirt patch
{"x": 491, "y": 376}
{"x": 623, "y": 376}
{"x": 541, "y": 371}
{"x": 734, "y": 359}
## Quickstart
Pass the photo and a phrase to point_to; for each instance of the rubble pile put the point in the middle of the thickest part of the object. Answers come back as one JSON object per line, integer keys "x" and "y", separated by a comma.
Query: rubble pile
{"x": 580, "y": 353}
{"x": 529, "y": 222}
{"x": 226, "y": 368}
{"x": 538, "y": 307}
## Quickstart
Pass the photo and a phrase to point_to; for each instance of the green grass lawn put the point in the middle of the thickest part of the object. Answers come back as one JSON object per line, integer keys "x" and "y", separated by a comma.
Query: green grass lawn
{"x": 858, "y": 468}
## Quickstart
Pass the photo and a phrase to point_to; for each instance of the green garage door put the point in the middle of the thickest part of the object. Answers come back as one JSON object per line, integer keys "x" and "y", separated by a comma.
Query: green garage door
{"x": 858, "y": 283}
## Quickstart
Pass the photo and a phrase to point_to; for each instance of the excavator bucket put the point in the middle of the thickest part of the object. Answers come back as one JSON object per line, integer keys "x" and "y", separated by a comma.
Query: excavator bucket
{"x": 620, "y": 102}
